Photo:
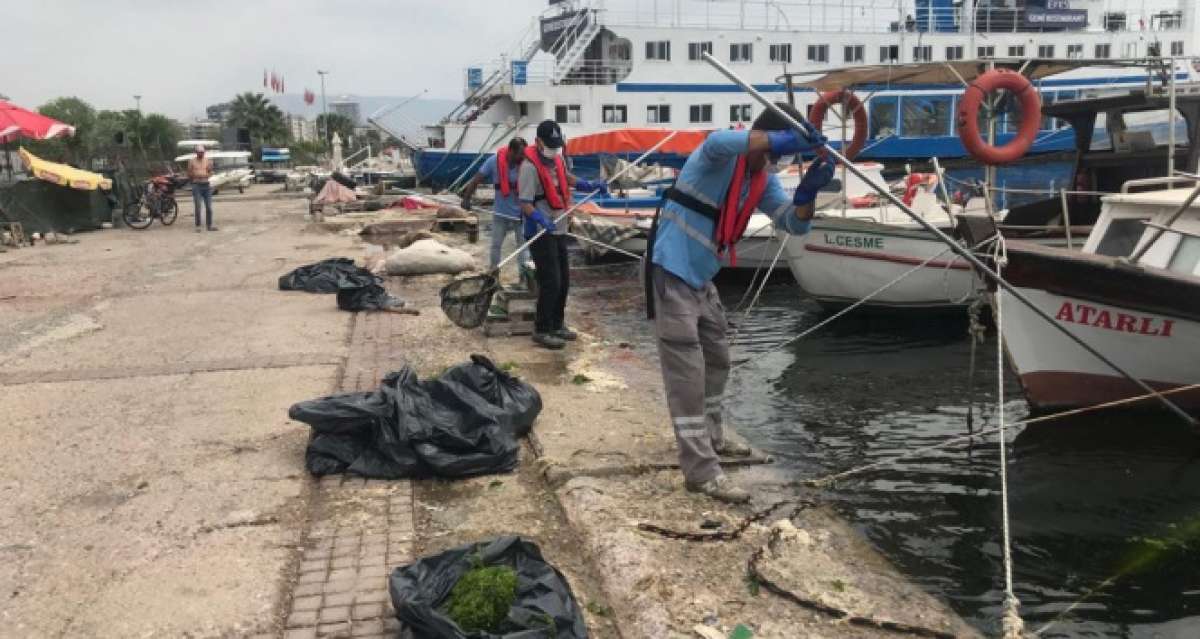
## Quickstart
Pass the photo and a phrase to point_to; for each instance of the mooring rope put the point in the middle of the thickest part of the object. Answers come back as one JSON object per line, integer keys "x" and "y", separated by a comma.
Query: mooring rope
{"x": 1012, "y": 623}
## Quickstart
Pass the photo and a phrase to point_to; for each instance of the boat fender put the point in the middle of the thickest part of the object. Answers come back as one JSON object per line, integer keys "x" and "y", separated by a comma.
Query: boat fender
{"x": 848, "y": 100}
{"x": 968, "y": 116}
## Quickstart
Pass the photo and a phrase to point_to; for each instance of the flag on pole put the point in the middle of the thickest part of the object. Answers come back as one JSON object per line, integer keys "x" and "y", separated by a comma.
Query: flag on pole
{"x": 264, "y": 78}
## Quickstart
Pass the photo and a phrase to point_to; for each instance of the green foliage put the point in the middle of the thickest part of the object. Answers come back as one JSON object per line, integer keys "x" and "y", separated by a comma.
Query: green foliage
{"x": 481, "y": 599}
{"x": 339, "y": 124}
{"x": 580, "y": 379}
{"x": 752, "y": 585}
{"x": 263, "y": 120}
{"x": 741, "y": 632}
{"x": 306, "y": 152}
{"x": 73, "y": 149}
{"x": 600, "y": 610}
{"x": 509, "y": 366}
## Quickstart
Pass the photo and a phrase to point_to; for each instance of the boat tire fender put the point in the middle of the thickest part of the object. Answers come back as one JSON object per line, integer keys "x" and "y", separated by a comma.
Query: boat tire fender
{"x": 968, "y": 116}
{"x": 848, "y": 100}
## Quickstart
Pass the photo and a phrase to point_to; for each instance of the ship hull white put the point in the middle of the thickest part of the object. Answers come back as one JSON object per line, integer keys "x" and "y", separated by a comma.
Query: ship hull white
{"x": 841, "y": 261}
{"x": 1056, "y": 373}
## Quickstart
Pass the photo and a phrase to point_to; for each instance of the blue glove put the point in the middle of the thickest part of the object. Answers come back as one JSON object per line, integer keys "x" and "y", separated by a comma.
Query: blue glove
{"x": 791, "y": 142}
{"x": 535, "y": 220}
{"x": 819, "y": 173}
{"x": 587, "y": 186}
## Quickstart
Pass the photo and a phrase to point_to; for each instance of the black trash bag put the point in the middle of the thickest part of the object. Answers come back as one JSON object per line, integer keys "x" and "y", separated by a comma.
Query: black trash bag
{"x": 369, "y": 297}
{"x": 518, "y": 403}
{"x": 409, "y": 428}
{"x": 358, "y": 433}
{"x": 327, "y": 276}
{"x": 344, "y": 180}
{"x": 420, "y": 589}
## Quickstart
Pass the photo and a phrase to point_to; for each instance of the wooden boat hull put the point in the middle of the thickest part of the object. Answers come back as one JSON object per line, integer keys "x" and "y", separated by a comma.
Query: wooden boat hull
{"x": 1147, "y": 321}
{"x": 841, "y": 261}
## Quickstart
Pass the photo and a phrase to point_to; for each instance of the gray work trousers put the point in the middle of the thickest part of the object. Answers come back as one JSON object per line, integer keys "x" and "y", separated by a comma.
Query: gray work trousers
{"x": 693, "y": 347}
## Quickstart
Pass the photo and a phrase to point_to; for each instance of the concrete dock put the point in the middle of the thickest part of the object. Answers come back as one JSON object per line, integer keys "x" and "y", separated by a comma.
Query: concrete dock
{"x": 153, "y": 485}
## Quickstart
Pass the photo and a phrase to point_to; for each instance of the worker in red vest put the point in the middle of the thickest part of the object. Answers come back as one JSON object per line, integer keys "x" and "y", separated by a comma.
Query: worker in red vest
{"x": 703, "y": 216}
{"x": 501, "y": 170}
{"x": 544, "y": 190}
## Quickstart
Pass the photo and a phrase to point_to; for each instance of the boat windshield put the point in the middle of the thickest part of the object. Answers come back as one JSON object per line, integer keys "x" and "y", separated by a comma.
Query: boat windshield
{"x": 1121, "y": 236}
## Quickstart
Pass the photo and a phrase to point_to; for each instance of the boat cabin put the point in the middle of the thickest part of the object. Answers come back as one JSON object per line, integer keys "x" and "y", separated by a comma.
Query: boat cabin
{"x": 1118, "y": 139}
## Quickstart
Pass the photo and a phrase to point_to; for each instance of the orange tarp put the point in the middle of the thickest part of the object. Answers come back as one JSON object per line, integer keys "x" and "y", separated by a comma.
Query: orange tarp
{"x": 636, "y": 141}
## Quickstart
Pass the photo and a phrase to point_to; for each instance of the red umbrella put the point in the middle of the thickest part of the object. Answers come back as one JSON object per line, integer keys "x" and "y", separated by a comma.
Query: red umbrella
{"x": 17, "y": 123}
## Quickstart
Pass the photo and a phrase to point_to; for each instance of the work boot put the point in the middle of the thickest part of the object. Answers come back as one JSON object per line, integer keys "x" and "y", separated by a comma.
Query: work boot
{"x": 548, "y": 340}
{"x": 566, "y": 334}
{"x": 731, "y": 448}
{"x": 721, "y": 488}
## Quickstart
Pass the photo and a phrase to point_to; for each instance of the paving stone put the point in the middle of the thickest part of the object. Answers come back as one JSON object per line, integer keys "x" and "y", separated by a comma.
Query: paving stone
{"x": 300, "y": 633}
{"x": 378, "y": 595}
{"x": 305, "y": 590}
{"x": 347, "y": 561}
{"x": 335, "y": 614}
{"x": 370, "y": 627}
{"x": 367, "y": 611}
{"x": 311, "y": 577}
{"x": 338, "y": 599}
{"x": 344, "y": 574}
{"x": 302, "y": 618}
{"x": 306, "y": 603}
{"x": 341, "y": 585}
{"x": 340, "y": 629}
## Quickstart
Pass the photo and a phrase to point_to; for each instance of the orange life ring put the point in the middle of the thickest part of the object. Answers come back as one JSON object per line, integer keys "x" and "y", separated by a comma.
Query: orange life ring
{"x": 847, "y": 99}
{"x": 968, "y": 116}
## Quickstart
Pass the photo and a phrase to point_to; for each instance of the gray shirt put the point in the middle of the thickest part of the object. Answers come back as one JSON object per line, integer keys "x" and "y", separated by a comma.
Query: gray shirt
{"x": 529, "y": 189}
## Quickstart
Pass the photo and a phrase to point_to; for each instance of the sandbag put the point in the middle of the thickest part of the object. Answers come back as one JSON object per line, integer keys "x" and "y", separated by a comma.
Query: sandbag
{"x": 461, "y": 424}
{"x": 420, "y": 589}
{"x": 425, "y": 257}
{"x": 327, "y": 276}
{"x": 516, "y": 403}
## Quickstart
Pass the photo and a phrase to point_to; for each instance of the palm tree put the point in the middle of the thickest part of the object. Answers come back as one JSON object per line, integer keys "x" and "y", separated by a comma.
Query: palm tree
{"x": 337, "y": 123}
{"x": 262, "y": 120}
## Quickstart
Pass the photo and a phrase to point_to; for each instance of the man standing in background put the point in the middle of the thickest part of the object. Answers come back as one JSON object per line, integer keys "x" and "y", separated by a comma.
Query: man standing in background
{"x": 199, "y": 171}
{"x": 501, "y": 170}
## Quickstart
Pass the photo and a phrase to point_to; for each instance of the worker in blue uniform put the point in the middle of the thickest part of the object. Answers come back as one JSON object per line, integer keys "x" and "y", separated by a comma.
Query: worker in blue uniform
{"x": 727, "y": 179}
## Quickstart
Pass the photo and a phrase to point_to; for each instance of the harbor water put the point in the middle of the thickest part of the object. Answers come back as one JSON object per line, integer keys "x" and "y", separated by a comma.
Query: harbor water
{"x": 1105, "y": 509}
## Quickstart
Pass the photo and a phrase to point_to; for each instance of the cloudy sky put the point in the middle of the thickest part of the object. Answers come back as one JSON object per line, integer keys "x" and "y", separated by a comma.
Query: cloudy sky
{"x": 183, "y": 56}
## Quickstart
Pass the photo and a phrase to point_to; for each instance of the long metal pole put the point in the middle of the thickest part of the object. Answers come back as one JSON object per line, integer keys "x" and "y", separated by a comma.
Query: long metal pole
{"x": 805, "y": 127}
{"x": 324, "y": 107}
{"x": 1171, "y": 121}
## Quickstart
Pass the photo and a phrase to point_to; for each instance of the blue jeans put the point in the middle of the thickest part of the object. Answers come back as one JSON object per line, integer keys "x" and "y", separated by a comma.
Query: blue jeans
{"x": 202, "y": 191}
{"x": 501, "y": 227}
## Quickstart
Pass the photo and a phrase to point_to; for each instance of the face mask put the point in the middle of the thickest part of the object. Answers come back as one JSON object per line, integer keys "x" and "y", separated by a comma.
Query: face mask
{"x": 549, "y": 153}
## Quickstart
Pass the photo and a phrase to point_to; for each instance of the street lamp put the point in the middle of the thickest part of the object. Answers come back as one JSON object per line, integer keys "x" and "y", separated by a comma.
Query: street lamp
{"x": 324, "y": 108}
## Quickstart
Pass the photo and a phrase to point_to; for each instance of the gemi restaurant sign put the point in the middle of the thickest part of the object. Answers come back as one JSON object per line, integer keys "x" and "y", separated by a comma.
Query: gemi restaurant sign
{"x": 1054, "y": 13}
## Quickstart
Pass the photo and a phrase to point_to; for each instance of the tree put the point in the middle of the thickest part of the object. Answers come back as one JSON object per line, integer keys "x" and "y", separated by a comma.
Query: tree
{"x": 262, "y": 120}
{"x": 72, "y": 149}
{"x": 339, "y": 124}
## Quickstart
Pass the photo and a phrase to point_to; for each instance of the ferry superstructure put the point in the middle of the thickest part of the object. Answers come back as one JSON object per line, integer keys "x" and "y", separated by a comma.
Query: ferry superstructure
{"x": 598, "y": 65}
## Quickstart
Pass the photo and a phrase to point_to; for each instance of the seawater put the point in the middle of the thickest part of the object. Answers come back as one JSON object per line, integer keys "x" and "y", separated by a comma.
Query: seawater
{"x": 1105, "y": 509}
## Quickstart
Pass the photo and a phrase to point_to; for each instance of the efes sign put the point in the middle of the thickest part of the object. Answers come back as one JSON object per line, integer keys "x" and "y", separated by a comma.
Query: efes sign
{"x": 1054, "y": 14}
{"x": 552, "y": 28}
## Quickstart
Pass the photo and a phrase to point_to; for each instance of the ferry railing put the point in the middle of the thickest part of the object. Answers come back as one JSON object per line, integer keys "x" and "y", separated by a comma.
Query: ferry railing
{"x": 854, "y": 16}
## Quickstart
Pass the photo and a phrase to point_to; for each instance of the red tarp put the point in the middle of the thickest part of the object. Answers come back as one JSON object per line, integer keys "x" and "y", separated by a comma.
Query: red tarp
{"x": 636, "y": 141}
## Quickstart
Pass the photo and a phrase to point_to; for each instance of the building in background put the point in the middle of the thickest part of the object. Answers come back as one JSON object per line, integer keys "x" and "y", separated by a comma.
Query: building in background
{"x": 348, "y": 108}
{"x": 203, "y": 130}
{"x": 302, "y": 130}
{"x": 218, "y": 112}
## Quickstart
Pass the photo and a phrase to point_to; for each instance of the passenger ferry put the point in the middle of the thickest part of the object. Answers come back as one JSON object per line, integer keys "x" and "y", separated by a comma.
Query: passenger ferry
{"x": 595, "y": 65}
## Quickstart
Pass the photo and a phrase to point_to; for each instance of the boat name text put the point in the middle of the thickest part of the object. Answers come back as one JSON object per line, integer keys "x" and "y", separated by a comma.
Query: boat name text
{"x": 854, "y": 241}
{"x": 1101, "y": 318}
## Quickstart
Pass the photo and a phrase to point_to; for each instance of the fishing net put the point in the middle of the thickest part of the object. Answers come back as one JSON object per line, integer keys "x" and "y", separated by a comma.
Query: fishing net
{"x": 466, "y": 301}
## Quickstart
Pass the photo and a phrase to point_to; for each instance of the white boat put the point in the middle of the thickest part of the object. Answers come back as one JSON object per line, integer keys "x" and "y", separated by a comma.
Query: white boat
{"x": 1133, "y": 293}
{"x": 598, "y": 65}
{"x": 231, "y": 169}
{"x": 852, "y": 251}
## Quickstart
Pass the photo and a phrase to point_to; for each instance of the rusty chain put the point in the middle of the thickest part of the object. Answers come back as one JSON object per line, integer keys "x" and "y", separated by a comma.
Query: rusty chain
{"x": 726, "y": 535}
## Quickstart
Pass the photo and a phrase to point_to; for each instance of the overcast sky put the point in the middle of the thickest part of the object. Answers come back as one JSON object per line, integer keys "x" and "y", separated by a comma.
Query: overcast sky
{"x": 182, "y": 57}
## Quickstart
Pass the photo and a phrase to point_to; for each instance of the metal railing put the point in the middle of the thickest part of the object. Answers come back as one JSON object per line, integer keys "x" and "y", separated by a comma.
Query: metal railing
{"x": 851, "y": 16}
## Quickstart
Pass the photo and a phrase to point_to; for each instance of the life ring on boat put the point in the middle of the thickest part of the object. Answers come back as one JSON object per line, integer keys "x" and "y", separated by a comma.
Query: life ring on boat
{"x": 968, "y": 116}
{"x": 848, "y": 100}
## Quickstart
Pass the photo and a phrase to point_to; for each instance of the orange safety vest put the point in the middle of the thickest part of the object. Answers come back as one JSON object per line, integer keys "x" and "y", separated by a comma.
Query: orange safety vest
{"x": 557, "y": 199}
{"x": 502, "y": 169}
{"x": 732, "y": 223}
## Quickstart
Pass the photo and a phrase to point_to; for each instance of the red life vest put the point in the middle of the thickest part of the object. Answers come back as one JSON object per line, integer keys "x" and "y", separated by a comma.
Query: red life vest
{"x": 556, "y": 199}
{"x": 502, "y": 169}
{"x": 732, "y": 223}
